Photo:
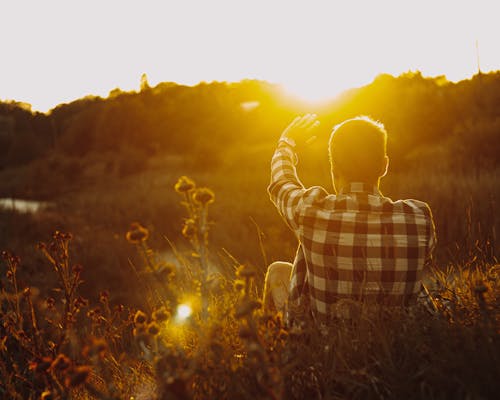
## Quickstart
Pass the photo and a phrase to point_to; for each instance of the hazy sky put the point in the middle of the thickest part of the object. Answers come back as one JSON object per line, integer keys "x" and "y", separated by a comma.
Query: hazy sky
{"x": 55, "y": 51}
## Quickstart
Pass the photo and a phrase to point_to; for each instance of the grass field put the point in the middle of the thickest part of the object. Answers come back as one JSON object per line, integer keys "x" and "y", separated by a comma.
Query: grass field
{"x": 94, "y": 312}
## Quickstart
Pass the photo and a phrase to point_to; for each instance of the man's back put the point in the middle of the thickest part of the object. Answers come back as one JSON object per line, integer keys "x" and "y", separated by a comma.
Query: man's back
{"x": 359, "y": 245}
{"x": 356, "y": 244}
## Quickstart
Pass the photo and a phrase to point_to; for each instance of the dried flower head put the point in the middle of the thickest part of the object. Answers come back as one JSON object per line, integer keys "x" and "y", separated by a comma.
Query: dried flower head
{"x": 140, "y": 318}
{"x": 184, "y": 184}
{"x": 204, "y": 196}
{"x": 239, "y": 285}
{"x": 153, "y": 329}
{"x": 161, "y": 314}
{"x": 189, "y": 228}
{"x": 61, "y": 363}
{"x": 51, "y": 302}
{"x": 137, "y": 233}
{"x": 104, "y": 296}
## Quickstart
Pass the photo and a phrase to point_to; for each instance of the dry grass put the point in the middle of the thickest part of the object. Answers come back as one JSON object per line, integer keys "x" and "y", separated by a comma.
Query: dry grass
{"x": 56, "y": 344}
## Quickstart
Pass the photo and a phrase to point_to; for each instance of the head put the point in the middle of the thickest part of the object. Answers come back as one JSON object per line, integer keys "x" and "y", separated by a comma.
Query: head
{"x": 358, "y": 151}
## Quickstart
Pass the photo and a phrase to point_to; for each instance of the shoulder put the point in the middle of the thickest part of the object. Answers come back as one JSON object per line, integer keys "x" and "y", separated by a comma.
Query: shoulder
{"x": 414, "y": 206}
{"x": 316, "y": 195}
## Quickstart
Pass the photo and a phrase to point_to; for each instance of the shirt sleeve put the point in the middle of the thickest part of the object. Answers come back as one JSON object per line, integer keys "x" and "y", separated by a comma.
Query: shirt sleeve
{"x": 287, "y": 192}
{"x": 285, "y": 188}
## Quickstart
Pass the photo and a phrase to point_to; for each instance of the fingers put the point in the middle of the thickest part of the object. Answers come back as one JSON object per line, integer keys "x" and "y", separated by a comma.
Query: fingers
{"x": 308, "y": 122}
{"x": 300, "y": 125}
{"x": 305, "y": 121}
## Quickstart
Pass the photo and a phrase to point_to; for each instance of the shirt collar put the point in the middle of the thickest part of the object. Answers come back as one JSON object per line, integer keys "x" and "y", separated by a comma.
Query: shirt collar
{"x": 360, "y": 187}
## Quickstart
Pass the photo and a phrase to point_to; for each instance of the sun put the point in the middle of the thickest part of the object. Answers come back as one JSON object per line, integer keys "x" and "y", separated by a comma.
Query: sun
{"x": 316, "y": 88}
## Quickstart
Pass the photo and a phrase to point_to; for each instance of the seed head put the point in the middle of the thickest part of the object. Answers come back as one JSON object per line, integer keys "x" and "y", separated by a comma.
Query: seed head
{"x": 189, "y": 228}
{"x": 153, "y": 329}
{"x": 184, "y": 184}
{"x": 61, "y": 363}
{"x": 140, "y": 318}
{"x": 239, "y": 285}
{"x": 204, "y": 196}
{"x": 51, "y": 302}
{"x": 137, "y": 233}
{"x": 161, "y": 315}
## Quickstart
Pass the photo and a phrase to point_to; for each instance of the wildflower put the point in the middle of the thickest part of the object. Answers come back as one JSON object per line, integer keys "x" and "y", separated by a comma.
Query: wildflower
{"x": 81, "y": 302}
{"x": 78, "y": 376}
{"x": 282, "y": 334}
{"x": 104, "y": 296}
{"x": 137, "y": 233}
{"x": 189, "y": 228}
{"x": 239, "y": 285}
{"x": 119, "y": 308}
{"x": 140, "y": 318}
{"x": 165, "y": 270}
{"x": 161, "y": 315}
{"x": 184, "y": 184}
{"x": 15, "y": 260}
{"x": 153, "y": 329}
{"x": 61, "y": 363}
{"x": 51, "y": 302}
{"x": 204, "y": 196}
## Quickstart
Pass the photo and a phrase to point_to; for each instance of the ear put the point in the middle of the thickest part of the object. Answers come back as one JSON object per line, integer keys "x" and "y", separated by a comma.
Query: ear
{"x": 384, "y": 166}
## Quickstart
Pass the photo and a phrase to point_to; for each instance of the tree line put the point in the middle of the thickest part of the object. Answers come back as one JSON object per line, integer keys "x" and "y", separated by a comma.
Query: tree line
{"x": 427, "y": 118}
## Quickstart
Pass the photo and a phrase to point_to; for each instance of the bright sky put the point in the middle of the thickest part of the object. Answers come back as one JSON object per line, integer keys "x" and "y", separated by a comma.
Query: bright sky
{"x": 56, "y": 51}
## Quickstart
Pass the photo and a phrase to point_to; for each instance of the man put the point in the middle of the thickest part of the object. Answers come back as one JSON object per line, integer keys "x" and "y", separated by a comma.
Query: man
{"x": 354, "y": 246}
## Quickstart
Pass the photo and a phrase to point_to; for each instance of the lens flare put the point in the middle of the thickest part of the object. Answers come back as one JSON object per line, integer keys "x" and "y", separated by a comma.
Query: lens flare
{"x": 184, "y": 311}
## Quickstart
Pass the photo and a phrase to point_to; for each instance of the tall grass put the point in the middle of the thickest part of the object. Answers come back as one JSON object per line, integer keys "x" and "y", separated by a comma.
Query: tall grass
{"x": 198, "y": 334}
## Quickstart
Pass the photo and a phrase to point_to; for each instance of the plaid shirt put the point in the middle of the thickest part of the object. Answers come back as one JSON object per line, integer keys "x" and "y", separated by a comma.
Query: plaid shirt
{"x": 356, "y": 245}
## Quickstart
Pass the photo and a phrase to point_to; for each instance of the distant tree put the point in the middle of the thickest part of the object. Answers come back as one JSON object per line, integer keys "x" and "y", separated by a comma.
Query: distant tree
{"x": 144, "y": 82}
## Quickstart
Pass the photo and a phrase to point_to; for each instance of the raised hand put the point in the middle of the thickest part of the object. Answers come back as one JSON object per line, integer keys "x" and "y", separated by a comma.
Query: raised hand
{"x": 299, "y": 132}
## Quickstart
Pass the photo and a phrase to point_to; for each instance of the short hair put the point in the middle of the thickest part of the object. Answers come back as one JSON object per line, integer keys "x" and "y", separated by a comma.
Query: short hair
{"x": 357, "y": 148}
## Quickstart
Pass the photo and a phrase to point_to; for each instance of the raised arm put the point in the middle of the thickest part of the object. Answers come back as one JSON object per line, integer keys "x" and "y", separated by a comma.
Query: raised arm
{"x": 285, "y": 188}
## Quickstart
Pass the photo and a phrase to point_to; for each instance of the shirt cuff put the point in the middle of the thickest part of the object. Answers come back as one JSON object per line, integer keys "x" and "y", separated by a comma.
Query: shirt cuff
{"x": 287, "y": 140}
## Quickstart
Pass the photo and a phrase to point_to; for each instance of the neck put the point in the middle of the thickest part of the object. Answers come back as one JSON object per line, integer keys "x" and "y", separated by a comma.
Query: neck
{"x": 339, "y": 182}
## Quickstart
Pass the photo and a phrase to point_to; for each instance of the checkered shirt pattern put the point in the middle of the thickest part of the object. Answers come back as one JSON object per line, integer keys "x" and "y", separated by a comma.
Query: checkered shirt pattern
{"x": 356, "y": 245}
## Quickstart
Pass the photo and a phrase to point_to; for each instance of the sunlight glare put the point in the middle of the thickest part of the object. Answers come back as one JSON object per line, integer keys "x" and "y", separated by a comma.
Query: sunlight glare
{"x": 184, "y": 311}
